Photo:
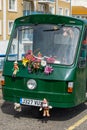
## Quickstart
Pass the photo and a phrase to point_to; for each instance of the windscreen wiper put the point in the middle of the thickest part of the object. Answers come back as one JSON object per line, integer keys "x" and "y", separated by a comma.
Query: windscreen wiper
{"x": 55, "y": 28}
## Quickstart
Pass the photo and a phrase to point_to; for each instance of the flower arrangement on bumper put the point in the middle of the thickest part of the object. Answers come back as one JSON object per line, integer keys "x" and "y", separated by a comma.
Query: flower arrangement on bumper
{"x": 37, "y": 63}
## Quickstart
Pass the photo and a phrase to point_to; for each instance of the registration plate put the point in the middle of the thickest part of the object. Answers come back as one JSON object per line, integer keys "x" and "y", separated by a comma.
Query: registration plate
{"x": 30, "y": 102}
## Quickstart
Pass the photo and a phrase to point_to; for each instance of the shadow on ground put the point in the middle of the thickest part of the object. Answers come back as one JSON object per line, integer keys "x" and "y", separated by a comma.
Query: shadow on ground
{"x": 59, "y": 114}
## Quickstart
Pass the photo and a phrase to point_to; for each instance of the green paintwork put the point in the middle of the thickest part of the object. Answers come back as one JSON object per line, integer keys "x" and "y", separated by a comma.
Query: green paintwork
{"x": 53, "y": 87}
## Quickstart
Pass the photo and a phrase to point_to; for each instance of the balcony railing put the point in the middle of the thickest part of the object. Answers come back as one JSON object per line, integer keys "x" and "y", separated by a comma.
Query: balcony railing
{"x": 27, "y": 12}
{"x": 2, "y": 56}
{"x": 46, "y": 1}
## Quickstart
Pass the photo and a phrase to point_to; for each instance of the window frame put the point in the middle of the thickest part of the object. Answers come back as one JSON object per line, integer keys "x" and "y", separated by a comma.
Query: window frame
{"x": 0, "y": 27}
{"x": 15, "y": 6}
{"x": 41, "y": 7}
{"x": 0, "y": 4}
{"x": 67, "y": 11}
{"x": 60, "y": 10}
{"x": 9, "y": 30}
{"x": 68, "y": 1}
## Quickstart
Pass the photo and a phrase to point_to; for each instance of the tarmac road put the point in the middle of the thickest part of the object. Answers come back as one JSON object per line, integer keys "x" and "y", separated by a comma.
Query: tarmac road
{"x": 31, "y": 119}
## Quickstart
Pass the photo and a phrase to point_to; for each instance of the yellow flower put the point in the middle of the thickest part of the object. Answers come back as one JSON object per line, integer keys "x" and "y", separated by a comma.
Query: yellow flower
{"x": 25, "y": 61}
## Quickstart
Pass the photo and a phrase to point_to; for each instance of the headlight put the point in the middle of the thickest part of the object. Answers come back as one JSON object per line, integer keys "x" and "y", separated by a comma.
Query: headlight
{"x": 31, "y": 84}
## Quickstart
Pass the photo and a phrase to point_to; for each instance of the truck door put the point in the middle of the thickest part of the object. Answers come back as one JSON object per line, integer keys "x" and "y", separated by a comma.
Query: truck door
{"x": 83, "y": 56}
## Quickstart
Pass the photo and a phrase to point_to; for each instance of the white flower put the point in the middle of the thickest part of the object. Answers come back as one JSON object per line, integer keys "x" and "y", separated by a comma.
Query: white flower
{"x": 43, "y": 63}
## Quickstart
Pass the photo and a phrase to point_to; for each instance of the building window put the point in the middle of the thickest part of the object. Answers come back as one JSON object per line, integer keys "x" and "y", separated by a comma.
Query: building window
{"x": 60, "y": 11}
{"x": 52, "y": 10}
{"x": 66, "y": 0}
{"x": 67, "y": 12}
{"x": 79, "y": 16}
{"x": 41, "y": 7}
{"x": 0, "y": 28}
{"x": 10, "y": 26}
{"x": 0, "y": 4}
{"x": 12, "y": 5}
{"x": 27, "y": 8}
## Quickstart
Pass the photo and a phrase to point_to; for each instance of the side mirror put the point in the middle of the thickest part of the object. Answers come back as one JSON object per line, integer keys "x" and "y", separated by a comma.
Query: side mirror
{"x": 82, "y": 59}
